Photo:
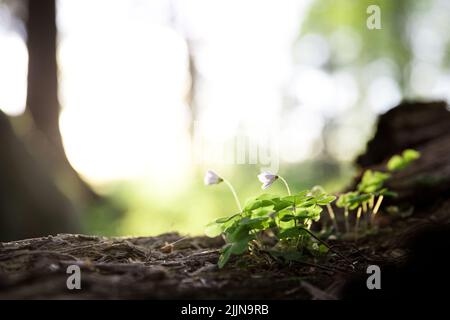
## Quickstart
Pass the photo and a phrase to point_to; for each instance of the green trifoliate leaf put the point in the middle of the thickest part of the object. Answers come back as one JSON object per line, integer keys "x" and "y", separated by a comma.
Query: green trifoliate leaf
{"x": 281, "y": 204}
{"x": 372, "y": 181}
{"x": 344, "y": 199}
{"x": 288, "y": 217}
{"x": 325, "y": 199}
{"x": 226, "y": 219}
{"x": 213, "y": 229}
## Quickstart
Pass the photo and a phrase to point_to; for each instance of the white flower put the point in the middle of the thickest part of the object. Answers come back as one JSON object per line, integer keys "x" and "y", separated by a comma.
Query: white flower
{"x": 267, "y": 178}
{"x": 212, "y": 178}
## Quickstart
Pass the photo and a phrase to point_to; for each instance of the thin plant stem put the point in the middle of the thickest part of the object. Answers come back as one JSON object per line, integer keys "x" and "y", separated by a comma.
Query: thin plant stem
{"x": 298, "y": 238}
{"x": 332, "y": 216}
{"x": 286, "y": 184}
{"x": 364, "y": 219}
{"x": 376, "y": 208}
{"x": 368, "y": 218}
{"x": 365, "y": 208}
{"x": 377, "y": 205}
{"x": 371, "y": 202}
{"x": 347, "y": 226}
{"x": 234, "y": 194}
{"x": 358, "y": 216}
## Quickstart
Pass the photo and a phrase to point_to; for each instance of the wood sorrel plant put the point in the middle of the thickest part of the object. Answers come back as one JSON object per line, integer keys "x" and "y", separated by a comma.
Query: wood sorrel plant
{"x": 367, "y": 198}
{"x": 288, "y": 218}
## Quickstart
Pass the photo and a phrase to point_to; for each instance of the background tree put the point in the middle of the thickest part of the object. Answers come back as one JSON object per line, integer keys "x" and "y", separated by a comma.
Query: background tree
{"x": 40, "y": 191}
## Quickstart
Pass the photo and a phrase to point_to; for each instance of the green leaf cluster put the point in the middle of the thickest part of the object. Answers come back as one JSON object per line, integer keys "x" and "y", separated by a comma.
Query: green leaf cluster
{"x": 372, "y": 183}
{"x": 287, "y": 217}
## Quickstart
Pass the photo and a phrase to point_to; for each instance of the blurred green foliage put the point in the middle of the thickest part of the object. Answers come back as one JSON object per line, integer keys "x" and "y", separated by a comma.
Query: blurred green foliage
{"x": 328, "y": 16}
{"x": 395, "y": 41}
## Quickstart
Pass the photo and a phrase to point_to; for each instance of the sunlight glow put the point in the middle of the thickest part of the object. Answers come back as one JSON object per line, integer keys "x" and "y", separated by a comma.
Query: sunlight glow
{"x": 13, "y": 73}
{"x": 124, "y": 115}
{"x": 123, "y": 85}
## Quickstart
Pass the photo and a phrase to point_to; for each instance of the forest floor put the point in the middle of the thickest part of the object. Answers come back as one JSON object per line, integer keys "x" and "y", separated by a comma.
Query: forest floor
{"x": 170, "y": 266}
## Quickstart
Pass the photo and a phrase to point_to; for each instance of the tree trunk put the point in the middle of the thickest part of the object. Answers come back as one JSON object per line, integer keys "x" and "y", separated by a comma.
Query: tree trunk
{"x": 31, "y": 204}
{"x": 42, "y": 99}
{"x": 42, "y": 96}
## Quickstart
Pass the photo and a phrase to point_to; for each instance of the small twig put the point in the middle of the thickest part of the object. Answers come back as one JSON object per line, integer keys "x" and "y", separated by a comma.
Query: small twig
{"x": 331, "y": 269}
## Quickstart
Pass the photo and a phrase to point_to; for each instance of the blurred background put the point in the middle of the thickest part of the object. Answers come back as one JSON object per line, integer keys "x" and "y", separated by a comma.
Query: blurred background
{"x": 112, "y": 110}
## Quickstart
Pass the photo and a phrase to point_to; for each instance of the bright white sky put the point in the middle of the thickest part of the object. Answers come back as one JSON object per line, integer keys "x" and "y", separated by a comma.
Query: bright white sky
{"x": 123, "y": 77}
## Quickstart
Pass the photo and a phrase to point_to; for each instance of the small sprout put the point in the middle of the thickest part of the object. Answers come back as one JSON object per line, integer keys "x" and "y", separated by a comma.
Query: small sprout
{"x": 348, "y": 201}
{"x": 372, "y": 181}
{"x": 399, "y": 162}
{"x": 318, "y": 190}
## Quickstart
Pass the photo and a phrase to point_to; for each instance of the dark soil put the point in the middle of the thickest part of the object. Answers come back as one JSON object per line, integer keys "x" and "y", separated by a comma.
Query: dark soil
{"x": 411, "y": 243}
